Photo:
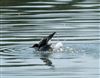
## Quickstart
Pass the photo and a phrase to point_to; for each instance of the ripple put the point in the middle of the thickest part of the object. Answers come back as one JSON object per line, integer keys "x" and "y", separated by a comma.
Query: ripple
{"x": 22, "y": 65}
{"x": 87, "y": 5}
{"x": 38, "y": 6}
{"x": 46, "y": 2}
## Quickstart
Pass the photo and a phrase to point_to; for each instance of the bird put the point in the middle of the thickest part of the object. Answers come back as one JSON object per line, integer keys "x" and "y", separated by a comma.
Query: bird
{"x": 43, "y": 45}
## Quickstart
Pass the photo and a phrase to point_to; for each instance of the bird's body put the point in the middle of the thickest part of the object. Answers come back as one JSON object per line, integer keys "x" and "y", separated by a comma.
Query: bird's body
{"x": 43, "y": 44}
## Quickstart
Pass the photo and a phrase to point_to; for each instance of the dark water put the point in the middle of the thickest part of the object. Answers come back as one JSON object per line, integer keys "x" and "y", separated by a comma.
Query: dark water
{"x": 25, "y": 22}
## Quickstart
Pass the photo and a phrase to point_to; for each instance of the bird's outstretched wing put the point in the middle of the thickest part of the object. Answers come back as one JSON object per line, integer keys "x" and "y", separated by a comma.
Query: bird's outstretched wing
{"x": 50, "y": 36}
{"x": 45, "y": 40}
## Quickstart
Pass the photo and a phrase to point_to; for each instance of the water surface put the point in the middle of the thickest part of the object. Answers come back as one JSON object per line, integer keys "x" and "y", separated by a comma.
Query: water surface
{"x": 24, "y": 23}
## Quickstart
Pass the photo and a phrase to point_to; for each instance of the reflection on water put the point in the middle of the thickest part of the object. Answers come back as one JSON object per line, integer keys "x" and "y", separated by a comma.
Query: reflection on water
{"x": 24, "y": 23}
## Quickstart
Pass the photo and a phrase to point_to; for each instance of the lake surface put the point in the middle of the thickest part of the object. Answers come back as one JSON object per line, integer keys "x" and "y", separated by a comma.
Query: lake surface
{"x": 24, "y": 23}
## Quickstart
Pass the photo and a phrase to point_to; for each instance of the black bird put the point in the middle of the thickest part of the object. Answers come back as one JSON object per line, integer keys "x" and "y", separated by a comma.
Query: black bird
{"x": 43, "y": 44}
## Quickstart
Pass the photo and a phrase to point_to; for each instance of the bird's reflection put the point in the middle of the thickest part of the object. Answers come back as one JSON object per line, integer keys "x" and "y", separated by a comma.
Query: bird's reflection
{"x": 47, "y": 61}
{"x": 45, "y": 58}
